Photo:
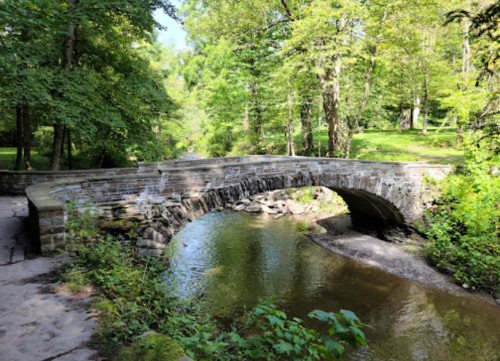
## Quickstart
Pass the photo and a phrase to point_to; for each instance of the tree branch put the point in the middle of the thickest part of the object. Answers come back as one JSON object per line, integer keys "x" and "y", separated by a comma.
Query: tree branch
{"x": 263, "y": 42}
{"x": 287, "y": 8}
{"x": 272, "y": 25}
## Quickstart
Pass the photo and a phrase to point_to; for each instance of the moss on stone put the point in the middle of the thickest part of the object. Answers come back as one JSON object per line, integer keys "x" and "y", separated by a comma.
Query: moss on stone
{"x": 154, "y": 347}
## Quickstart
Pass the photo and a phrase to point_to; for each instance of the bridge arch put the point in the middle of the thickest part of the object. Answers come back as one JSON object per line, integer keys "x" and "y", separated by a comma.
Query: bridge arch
{"x": 360, "y": 200}
{"x": 163, "y": 202}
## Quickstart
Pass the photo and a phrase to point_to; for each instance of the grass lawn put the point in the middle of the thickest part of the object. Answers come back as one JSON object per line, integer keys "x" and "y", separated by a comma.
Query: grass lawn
{"x": 438, "y": 142}
{"x": 8, "y": 160}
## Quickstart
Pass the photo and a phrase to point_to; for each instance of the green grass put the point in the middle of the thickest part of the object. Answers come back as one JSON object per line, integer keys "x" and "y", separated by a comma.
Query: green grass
{"x": 438, "y": 142}
{"x": 8, "y": 160}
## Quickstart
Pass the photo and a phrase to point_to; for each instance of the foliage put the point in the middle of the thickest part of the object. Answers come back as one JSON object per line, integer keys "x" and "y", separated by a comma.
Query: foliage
{"x": 153, "y": 347}
{"x": 136, "y": 299}
{"x": 279, "y": 338}
{"x": 290, "y": 63}
{"x": 77, "y": 64}
{"x": 463, "y": 229}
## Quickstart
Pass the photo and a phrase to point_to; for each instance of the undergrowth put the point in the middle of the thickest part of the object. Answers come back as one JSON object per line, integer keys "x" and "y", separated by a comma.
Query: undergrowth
{"x": 464, "y": 227}
{"x": 134, "y": 298}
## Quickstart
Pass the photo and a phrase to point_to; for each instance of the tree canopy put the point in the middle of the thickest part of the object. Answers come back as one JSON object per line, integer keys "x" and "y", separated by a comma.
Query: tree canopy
{"x": 81, "y": 67}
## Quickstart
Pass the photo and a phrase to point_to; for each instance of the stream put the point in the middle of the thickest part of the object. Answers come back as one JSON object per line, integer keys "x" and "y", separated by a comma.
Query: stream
{"x": 234, "y": 259}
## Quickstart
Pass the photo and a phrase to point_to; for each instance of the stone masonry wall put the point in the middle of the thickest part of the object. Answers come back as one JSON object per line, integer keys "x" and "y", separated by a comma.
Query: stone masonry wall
{"x": 14, "y": 183}
{"x": 163, "y": 203}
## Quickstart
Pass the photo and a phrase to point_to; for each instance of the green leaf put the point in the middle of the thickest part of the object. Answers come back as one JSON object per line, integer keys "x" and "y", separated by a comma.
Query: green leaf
{"x": 273, "y": 320}
{"x": 283, "y": 347}
{"x": 321, "y": 315}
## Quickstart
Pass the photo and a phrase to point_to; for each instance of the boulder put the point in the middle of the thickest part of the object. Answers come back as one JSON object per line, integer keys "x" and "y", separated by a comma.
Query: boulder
{"x": 239, "y": 207}
{"x": 144, "y": 243}
{"x": 254, "y": 208}
{"x": 295, "y": 209}
{"x": 269, "y": 210}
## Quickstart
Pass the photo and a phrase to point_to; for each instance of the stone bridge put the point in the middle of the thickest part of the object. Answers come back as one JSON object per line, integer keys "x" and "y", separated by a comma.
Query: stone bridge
{"x": 163, "y": 197}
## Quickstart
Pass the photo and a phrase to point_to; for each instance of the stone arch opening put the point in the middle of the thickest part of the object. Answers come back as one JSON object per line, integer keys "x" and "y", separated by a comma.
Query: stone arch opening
{"x": 361, "y": 202}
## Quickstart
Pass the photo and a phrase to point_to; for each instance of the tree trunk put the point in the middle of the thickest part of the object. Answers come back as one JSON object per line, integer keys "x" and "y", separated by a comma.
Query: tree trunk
{"x": 70, "y": 154}
{"x": 319, "y": 136}
{"x": 350, "y": 135}
{"x": 291, "y": 147}
{"x": 56, "y": 147}
{"x": 415, "y": 112}
{"x": 465, "y": 54}
{"x": 27, "y": 134}
{"x": 246, "y": 122}
{"x": 465, "y": 73}
{"x": 62, "y": 143}
{"x": 401, "y": 116}
{"x": 426, "y": 105}
{"x": 257, "y": 112}
{"x": 19, "y": 137}
{"x": 330, "y": 91}
{"x": 305, "y": 120}
{"x": 69, "y": 42}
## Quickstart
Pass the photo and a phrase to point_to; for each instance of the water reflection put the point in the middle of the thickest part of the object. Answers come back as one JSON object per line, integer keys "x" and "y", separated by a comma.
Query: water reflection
{"x": 235, "y": 259}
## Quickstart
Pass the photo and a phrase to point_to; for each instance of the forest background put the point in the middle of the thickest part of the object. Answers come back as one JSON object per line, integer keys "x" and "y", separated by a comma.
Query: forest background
{"x": 86, "y": 83}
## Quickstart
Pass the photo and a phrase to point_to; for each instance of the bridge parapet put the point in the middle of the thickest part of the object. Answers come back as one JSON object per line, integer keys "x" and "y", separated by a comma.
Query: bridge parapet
{"x": 390, "y": 191}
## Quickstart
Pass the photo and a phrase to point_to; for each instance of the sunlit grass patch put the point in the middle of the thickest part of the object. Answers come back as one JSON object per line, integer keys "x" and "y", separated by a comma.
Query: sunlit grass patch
{"x": 8, "y": 160}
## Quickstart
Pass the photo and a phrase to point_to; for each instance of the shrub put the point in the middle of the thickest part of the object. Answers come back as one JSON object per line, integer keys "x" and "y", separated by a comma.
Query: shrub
{"x": 463, "y": 229}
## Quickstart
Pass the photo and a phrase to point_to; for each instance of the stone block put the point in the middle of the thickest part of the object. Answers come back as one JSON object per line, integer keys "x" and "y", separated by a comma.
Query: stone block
{"x": 58, "y": 221}
{"x": 46, "y": 239}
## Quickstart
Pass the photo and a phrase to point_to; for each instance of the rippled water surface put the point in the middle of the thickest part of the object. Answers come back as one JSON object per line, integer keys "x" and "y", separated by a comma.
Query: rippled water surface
{"x": 235, "y": 259}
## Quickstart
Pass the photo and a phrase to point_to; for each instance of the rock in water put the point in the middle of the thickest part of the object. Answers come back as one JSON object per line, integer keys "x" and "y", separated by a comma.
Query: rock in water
{"x": 239, "y": 207}
{"x": 254, "y": 208}
{"x": 269, "y": 210}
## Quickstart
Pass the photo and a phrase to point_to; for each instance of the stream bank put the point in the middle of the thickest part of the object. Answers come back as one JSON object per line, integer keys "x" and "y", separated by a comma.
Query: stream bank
{"x": 323, "y": 216}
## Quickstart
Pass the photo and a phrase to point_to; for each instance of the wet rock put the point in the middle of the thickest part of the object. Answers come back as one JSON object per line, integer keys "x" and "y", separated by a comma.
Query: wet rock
{"x": 295, "y": 208}
{"x": 144, "y": 243}
{"x": 239, "y": 207}
{"x": 254, "y": 208}
{"x": 228, "y": 206}
{"x": 269, "y": 210}
{"x": 245, "y": 201}
{"x": 280, "y": 196}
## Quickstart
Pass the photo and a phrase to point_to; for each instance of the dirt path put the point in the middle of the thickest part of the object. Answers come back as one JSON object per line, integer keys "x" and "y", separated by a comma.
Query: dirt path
{"x": 36, "y": 323}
